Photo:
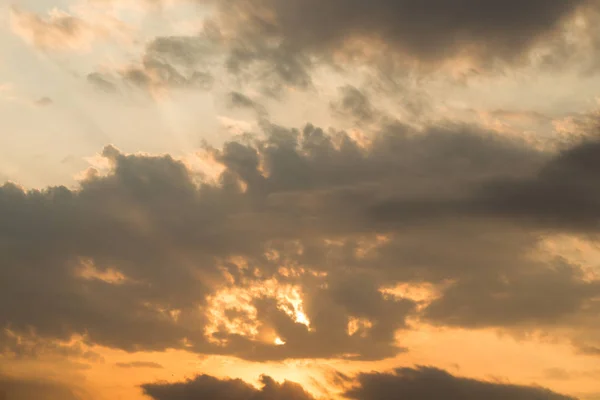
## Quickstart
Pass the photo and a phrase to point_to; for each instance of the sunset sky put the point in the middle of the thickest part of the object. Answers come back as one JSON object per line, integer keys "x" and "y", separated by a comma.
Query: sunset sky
{"x": 300, "y": 199}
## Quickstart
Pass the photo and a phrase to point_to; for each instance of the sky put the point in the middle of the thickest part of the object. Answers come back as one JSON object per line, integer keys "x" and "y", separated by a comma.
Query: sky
{"x": 299, "y": 199}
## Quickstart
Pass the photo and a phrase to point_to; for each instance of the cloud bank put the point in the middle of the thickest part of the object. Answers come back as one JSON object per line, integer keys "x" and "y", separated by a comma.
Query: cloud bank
{"x": 301, "y": 248}
{"x": 403, "y": 383}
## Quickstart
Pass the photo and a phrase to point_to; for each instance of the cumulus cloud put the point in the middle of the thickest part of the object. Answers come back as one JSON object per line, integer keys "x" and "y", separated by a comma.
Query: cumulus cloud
{"x": 208, "y": 387}
{"x": 403, "y": 383}
{"x": 302, "y": 247}
{"x": 431, "y": 383}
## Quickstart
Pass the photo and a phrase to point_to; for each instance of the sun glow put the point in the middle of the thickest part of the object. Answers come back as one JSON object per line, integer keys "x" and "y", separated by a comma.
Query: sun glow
{"x": 279, "y": 342}
{"x": 232, "y": 310}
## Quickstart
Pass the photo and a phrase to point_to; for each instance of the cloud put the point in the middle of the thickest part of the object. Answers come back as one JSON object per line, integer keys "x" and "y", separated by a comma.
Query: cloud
{"x": 590, "y": 350}
{"x": 304, "y": 244}
{"x": 62, "y": 31}
{"x": 241, "y": 101}
{"x": 431, "y": 383}
{"x": 428, "y": 31}
{"x": 101, "y": 82}
{"x": 275, "y": 46}
{"x": 156, "y": 73}
{"x": 44, "y": 101}
{"x": 139, "y": 364}
{"x": 191, "y": 61}
{"x": 410, "y": 383}
{"x": 355, "y": 104}
{"x": 29, "y": 346}
{"x": 560, "y": 196}
{"x": 24, "y": 389}
{"x": 168, "y": 63}
{"x": 208, "y": 387}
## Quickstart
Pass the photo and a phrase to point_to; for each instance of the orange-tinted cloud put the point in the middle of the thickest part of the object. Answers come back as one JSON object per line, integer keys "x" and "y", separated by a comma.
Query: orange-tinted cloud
{"x": 411, "y": 383}
{"x": 62, "y": 31}
{"x": 292, "y": 252}
{"x": 26, "y": 389}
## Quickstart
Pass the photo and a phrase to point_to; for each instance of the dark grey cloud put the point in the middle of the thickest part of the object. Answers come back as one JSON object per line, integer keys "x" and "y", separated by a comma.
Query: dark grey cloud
{"x": 275, "y": 45}
{"x": 208, "y": 387}
{"x": 190, "y": 61}
{"x": 171, "y": 62}
{"x": 519, "y": 299}
{"x": 403, "y": 383}
{"x": 241, "y": 101}
{"x": 563, "y": 195}
{"x": 429, "y": 30}
{"x": 274, "y": 67}
{"x": 102, "y": 82}
{"x": 184, "y": 51}
{"x": 431, "y": 383}
{"x": 139, "y": 364}
{"x": 28, "y": 346}
{"x": 144, "y": 247}
{"x": 28, "y": 389}
{"x": 354, "y": 103}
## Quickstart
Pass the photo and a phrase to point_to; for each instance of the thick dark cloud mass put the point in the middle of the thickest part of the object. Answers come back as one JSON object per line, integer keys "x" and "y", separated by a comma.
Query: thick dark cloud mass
{"x": 426, "y": 29}
{"x": 137, "y": 258}
{"x": 564, "y": 194}
{"x": 433, "y": 384}
{"x": 272, "y": 45}
{"x": 208, "y": 387}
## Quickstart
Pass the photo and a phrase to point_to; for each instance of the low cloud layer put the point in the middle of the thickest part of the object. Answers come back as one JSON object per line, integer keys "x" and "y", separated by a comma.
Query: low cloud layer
{"x": 432, "y": 383}
{"x": 208, "y": 387}
{"x": 24, "y": 389}
{"x": 403, "y": 383}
